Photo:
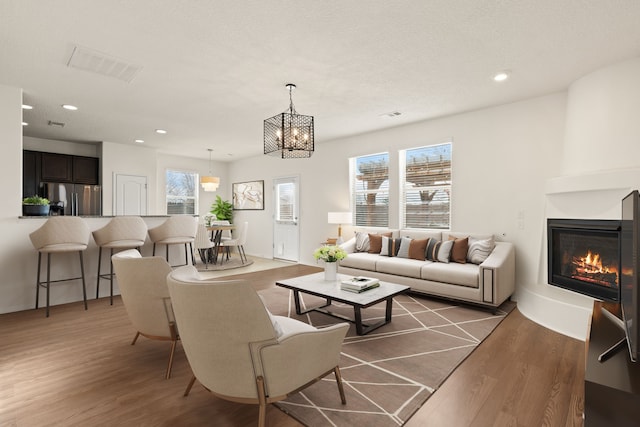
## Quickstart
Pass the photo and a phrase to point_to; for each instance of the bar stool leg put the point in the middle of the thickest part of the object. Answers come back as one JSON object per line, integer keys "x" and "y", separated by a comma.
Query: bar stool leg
{"x": 111, "y": 275}
{"x": 167, "y": 252}
{"x": 38, "y": 280}
{"x": 99, "y": 263}
{"x": 84, "y": 287}
{"x": 48, "y": 279}
{"x": 154, "y": 250}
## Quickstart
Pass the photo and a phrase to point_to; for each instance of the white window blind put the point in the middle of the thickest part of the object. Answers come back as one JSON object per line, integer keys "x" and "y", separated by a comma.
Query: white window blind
{"x": 426, "y": 190}
{"x": 370, "y": 190}
{"x": 286, "y": 199}
{"x": 181, "y": 192}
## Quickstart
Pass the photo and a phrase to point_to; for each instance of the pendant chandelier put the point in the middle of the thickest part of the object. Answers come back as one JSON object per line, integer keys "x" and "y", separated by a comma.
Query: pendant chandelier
{"x": 209, "y": 183}
{"x": 289, "y": 135}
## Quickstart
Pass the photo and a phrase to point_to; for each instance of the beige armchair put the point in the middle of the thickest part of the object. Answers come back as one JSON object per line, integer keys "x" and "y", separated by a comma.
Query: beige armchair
{"x": 143, "y": 287}
{"x": 239, "y": 351}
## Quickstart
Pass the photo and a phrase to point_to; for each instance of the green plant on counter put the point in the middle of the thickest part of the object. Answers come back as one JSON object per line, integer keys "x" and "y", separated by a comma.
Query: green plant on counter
{"x": 35, "y": 200}
{"x": 222, "y": 209}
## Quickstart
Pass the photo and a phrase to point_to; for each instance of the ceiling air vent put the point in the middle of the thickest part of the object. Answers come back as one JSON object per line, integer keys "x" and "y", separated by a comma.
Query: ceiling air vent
{"x": 59, "y": 124}
{"x": 93, "y": 61}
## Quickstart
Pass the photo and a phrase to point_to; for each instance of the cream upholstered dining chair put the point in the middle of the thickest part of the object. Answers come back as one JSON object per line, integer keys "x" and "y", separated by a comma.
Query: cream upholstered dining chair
{"x": 238, "y": 242}
{"x": 203, "y": 244}
{"x": 60, "y": 234}
{"x": 143, "y": 287}
{"x": 242, "y": 353}
{"x": 122, "y": 232}
{"x": 177, "y": 230}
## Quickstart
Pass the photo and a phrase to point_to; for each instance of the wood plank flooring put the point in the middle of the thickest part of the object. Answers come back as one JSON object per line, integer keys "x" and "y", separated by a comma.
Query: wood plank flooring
{"x": 77, "y": 368}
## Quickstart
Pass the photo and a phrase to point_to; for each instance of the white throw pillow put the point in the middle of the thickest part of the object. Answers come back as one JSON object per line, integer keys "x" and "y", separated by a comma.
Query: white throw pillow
{"x": 362, "y": 241}
{"x": 403, "y": 252}
{"x": 479, "y": 249}
{"x": 385, "y": 246}
{"x": 444, "y": 251}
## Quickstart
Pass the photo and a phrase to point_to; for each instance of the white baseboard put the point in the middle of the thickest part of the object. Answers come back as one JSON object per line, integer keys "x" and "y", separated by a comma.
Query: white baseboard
{"x": 565, "y": 318}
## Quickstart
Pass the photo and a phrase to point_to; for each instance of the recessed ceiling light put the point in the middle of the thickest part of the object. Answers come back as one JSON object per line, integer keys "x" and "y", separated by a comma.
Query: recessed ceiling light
{"x": 501, "y": 76}
{"x": 27, "y": 107}
{"x": 25, "y": 124}
{"x": 162, "y": 131}
{"x": 140, "y": 141}
{"x": 69, "y": 107}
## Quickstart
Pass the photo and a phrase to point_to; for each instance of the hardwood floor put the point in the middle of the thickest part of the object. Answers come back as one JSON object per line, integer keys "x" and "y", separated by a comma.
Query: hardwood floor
{"x": 77, "y": 368}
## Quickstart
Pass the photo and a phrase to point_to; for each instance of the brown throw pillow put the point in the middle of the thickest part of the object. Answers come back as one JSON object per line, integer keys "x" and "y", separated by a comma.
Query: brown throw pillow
{"x": 375, "y": 242}
{"x": 459, "y": 250}
{"x": 417, "y": 249}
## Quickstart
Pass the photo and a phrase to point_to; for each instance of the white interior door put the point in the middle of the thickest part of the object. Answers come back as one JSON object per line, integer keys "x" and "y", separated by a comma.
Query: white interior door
{"x": 131, "y": 195}
{"x": 286, "y": 236}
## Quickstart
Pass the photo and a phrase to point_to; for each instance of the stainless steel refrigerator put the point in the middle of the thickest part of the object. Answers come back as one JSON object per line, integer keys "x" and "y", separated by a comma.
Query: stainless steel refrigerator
{"x": 73, "y": 199}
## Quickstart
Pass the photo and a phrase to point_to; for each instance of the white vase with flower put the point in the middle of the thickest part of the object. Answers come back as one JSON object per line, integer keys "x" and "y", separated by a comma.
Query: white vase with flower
{"x": 331, "y": 255}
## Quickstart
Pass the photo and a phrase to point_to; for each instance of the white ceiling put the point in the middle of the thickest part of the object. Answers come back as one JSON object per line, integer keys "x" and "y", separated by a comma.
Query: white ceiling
{"x": 212, "y": 70}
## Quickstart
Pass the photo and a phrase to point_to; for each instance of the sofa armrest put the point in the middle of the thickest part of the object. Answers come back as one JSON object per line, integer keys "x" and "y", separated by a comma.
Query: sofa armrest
{"x": 498, "y": 274}
{"x": 349, "y": 246}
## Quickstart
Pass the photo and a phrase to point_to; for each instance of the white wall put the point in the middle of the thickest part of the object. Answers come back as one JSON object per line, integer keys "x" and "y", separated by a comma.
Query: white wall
{"x": 601, "y": 164}
{"x": 502, "y": 157}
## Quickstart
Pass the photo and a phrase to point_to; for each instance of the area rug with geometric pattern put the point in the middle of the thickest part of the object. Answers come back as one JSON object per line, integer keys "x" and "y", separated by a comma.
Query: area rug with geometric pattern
{"x": 389, "y": 373}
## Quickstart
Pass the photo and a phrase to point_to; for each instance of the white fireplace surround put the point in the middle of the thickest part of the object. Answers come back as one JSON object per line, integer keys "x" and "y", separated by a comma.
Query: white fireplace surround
{"x": 585, "y": 196}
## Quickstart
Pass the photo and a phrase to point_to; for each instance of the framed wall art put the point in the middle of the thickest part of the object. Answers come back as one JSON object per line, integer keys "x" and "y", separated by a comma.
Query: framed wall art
{"x": 248, "y": 195}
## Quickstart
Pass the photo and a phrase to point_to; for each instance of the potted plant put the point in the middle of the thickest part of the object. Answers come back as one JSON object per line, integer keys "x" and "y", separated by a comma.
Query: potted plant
{"x": 35, "y": 206}
{"x": 222, "y": 209}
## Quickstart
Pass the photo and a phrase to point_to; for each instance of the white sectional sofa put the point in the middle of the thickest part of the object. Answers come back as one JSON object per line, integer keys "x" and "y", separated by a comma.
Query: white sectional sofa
{"x": 486, "y": 277}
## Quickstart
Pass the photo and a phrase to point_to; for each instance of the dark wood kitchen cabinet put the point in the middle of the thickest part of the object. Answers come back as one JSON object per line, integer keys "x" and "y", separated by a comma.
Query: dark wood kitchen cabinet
{"x": 31, "y": 173}
{"x": 85, "y": 170}
{"x": 56, "y": 167}
{"x": 40, "y": 167}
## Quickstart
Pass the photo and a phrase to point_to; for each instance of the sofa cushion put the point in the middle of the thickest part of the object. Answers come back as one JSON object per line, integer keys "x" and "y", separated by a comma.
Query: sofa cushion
{"x": 375, "y": 242}
{"x": 454, "y": 273}
{"x": 438, "y": 251}
{"x": 361, "y": 260}
{"x": 400, "y": 266}
{"x": 390, "y": 246}
{"x": 417, "y": 249}
{"x": 459, "y": 250}
{"x": 362, "y": 241}
{"x": 403, "y": 251}
{"x": 479, "y": 249}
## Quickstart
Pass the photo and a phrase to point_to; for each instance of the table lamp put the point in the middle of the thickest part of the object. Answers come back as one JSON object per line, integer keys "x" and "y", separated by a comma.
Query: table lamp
{"x": 339, "y": 218}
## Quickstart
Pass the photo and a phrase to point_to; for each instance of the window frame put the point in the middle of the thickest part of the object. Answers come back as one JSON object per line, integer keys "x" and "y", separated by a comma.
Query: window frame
{"x": 196, "y": 191}
{"x": 445, "y": 186}
{"x": 357, "y": 193}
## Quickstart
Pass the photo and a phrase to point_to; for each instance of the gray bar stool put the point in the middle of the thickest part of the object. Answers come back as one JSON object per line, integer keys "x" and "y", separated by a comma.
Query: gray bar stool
{"x": 122, "y": 232}
{"x": 60, "y": 234}
{"x": 177, "y": 230}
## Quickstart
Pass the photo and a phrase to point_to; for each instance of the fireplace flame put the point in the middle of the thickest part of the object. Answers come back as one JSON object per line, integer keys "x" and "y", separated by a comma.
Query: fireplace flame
{"x": 589, "y": 268}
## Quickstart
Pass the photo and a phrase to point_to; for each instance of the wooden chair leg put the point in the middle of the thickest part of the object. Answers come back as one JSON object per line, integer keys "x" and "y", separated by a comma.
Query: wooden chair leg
{"x": 262, "y": 402}
{"x": 193, "y": 380}
{"x": 338, "y": 375}
{"x": 170, "y": 365}
{"x": 135, "y": 338}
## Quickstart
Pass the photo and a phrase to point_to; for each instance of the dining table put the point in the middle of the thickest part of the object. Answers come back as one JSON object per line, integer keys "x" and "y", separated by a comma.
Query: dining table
{"x": 216, "y": 237}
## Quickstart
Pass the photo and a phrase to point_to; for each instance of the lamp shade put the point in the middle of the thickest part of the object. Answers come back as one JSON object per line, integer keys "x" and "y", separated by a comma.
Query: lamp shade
{"x": 339, "y": 217}
{"x": 209, "y": 183}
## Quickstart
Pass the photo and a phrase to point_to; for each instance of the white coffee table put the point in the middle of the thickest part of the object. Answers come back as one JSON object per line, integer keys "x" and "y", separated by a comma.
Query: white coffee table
{"x": 314, "y": 284}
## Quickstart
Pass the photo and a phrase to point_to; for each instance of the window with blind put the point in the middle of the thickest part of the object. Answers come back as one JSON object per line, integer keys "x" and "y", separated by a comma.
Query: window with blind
{"x": 285, "y": 193}
{"x": 181, "y": 192}
{"x": 426, "y": 191}
{"x": 370, "y": 190}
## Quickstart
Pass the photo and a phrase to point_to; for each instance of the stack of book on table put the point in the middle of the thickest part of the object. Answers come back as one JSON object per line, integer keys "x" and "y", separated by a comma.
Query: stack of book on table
{"x": 359, "y": 284}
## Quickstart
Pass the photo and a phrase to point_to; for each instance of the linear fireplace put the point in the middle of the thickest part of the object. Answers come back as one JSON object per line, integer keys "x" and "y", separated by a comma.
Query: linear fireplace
{"x": 584, "y": 256}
